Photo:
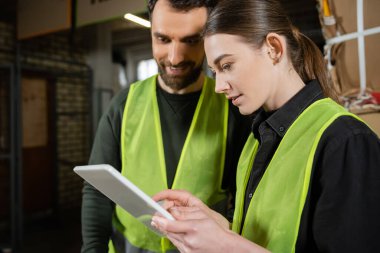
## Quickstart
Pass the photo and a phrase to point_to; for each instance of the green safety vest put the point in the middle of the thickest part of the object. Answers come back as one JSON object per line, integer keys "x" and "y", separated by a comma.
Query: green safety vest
{"x": 274, "y": 213}
{"x": 201, "y": 164}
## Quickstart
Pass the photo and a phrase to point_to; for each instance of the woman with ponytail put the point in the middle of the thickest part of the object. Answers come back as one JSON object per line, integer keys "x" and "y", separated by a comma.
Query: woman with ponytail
{"x": 308, "y": 179}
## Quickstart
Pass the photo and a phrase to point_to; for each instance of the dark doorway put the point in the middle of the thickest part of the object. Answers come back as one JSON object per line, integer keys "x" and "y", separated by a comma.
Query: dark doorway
{"x": 38, "y": 147}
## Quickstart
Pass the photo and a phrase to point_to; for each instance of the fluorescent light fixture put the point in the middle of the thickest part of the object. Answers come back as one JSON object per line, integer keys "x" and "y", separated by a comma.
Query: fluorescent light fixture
{"x": 137, "y": 20}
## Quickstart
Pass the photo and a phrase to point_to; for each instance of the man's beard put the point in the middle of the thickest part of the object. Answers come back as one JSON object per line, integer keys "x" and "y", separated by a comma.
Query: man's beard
{"x": 183, "y": 81}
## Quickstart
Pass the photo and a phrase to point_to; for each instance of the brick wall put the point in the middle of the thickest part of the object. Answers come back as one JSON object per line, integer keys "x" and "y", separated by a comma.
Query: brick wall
{"x": 59, "y": 57}
{"x": 73, "y": 136}
{"x": 6, "y": 43}
{"x": 6, "y": 58}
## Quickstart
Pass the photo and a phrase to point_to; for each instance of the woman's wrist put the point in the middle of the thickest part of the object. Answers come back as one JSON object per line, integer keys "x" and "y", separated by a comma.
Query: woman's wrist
{"x": 235, "y": 243}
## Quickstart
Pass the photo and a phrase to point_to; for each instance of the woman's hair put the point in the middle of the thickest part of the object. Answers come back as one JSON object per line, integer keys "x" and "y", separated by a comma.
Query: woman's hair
{"x": 253, "y": 20}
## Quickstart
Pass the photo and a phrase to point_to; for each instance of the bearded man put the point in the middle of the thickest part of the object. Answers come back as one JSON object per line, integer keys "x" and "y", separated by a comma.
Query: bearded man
{"x": 170, "y": 131}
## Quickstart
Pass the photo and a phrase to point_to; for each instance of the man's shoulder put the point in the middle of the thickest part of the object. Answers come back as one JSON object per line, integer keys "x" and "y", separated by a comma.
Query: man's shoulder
{"x": 120, "y": 97}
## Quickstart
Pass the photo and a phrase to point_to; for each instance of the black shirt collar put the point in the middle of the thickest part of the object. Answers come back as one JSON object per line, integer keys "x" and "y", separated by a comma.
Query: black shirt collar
{"x": 281, "y": 119}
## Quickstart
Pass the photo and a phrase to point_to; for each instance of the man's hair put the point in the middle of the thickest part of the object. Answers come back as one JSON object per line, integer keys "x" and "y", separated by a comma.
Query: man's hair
{"x": 184, "y": 5}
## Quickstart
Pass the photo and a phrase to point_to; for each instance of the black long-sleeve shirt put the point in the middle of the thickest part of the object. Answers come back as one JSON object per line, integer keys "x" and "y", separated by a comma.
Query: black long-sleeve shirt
{"x": 176, "y": 113}
{"x": 341, "y": 212}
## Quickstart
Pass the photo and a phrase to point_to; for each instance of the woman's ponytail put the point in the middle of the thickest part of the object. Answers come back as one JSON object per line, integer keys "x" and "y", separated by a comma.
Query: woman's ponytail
{"x": 309, "y": 64}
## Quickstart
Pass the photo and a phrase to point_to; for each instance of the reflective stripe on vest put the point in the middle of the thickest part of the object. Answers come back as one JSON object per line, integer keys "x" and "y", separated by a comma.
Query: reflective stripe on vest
{"x": 274, "y": 213}
{"x": 201, "y": 164}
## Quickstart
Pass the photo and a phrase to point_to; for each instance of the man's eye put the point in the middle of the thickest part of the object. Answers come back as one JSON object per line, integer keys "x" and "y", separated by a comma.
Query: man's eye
{"x": 193, "y": 41}
{"x": 163, "y": 39}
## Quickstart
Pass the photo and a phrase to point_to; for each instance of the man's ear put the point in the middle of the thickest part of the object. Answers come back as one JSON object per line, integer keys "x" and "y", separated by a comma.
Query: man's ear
{"x": 275, "y": 47}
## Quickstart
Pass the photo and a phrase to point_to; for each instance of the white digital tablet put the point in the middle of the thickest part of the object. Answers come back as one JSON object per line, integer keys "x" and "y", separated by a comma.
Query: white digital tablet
{"x": 123, "y": 192}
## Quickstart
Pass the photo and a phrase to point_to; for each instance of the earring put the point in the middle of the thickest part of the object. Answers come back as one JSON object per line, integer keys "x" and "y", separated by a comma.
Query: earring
{"x": 275, "y": 59}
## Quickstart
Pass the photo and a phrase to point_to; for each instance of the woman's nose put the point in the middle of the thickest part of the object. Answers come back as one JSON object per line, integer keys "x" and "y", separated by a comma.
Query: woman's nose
{"x": 221, "y": 86}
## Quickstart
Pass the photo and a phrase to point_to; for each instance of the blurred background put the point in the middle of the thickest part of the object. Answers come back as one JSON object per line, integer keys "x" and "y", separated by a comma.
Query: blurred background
{"x": 61, "y": 61}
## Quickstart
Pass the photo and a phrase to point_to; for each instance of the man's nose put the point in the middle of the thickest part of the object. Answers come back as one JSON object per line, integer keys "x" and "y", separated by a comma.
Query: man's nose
{"x": 176, "y": 53}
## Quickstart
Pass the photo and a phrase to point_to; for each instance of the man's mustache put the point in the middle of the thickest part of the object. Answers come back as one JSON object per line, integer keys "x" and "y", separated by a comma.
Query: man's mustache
{"x": 179, "y": 65}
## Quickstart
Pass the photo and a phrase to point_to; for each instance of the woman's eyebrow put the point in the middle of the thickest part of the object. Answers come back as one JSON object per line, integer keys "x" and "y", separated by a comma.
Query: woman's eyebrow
{"x": 220, "y": 57}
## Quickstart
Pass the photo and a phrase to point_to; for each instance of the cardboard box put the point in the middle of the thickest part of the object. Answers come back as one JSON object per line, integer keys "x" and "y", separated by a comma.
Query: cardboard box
{"x": 373, "y": 120}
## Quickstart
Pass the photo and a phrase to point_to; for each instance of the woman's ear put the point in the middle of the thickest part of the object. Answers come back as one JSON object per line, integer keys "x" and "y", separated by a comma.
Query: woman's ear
{"x": 275, "y": 47}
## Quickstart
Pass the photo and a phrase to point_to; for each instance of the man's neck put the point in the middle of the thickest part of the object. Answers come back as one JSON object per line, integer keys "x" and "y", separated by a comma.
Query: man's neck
{"x": 196, "y": 86}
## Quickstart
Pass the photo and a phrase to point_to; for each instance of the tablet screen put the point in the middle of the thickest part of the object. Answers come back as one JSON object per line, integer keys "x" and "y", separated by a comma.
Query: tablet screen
{"x": 123, "y": 192}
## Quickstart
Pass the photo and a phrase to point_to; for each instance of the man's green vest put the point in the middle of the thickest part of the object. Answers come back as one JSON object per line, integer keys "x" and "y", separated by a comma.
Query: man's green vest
{"x": 200, "y": 167}
{"x": 274, "y": 213}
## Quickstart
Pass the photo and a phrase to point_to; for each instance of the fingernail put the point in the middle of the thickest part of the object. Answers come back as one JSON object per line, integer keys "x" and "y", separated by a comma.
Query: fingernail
{"x": 157, "y": 221}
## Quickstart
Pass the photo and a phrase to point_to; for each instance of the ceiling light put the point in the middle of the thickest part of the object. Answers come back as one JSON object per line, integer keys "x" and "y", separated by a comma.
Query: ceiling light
{"x": 137, "y": 20}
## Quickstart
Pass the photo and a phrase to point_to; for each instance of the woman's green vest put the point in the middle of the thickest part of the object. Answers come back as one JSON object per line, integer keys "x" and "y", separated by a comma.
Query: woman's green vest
{"x": 201, "y": 164}
{"x": 274, "y": 213}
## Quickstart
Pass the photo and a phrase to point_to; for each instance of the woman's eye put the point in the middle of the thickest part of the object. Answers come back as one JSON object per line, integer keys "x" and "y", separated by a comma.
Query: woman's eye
{"x": 226, "y": 66}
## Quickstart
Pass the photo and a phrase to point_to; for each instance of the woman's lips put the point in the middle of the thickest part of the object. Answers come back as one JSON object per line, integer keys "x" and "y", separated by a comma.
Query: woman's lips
{"x": 234, "y": 99}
